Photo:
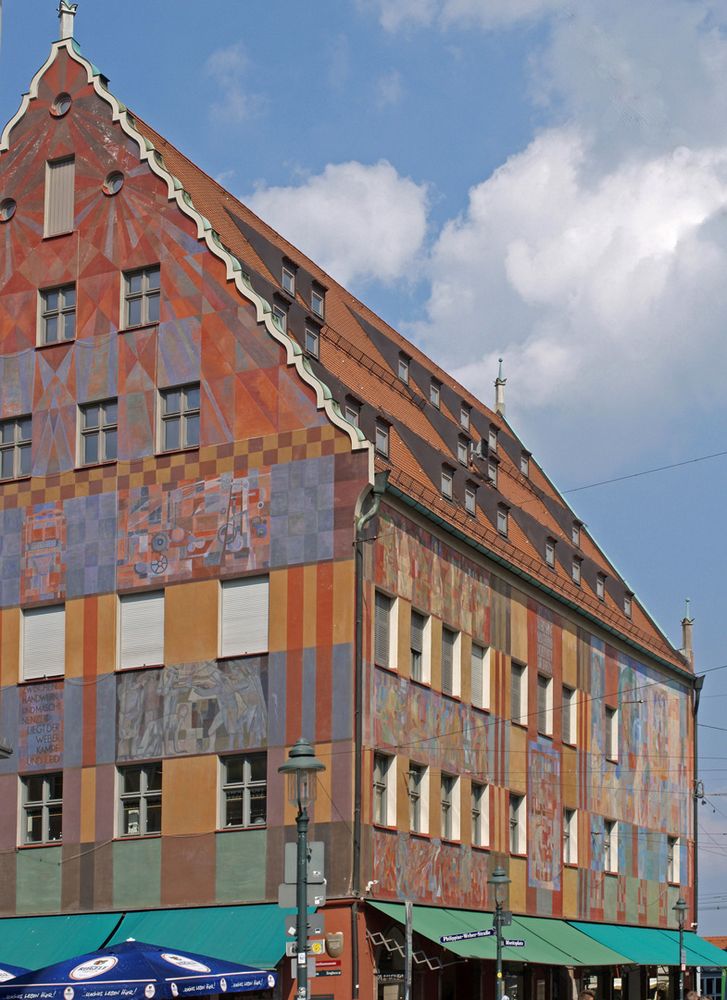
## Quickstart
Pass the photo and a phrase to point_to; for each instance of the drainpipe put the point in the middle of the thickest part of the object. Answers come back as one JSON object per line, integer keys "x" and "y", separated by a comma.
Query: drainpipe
{"x": 369, "y": 510}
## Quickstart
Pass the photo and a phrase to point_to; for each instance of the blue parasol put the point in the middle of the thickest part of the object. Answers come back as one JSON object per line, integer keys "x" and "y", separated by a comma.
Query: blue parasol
{"x": 11, "y": 971}
{"x": 136, "y": 971}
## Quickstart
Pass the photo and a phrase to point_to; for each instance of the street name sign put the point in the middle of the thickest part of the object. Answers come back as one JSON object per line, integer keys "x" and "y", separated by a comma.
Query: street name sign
{"x": 467, "y": 936}
{"x": 514, "y": 943}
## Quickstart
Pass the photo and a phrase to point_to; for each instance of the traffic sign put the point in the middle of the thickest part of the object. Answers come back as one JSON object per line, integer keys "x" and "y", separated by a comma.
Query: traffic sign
{"x": 315, "y": 925}
{"x": 466, "y": 936}
{"x": 287, "y": 895}
{"x": 514, "y": 943}
{"x": 315, "y": 863}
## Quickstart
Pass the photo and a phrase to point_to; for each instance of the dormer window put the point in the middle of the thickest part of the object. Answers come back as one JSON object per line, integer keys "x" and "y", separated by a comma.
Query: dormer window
{"x": 550, "y": 552}
{"x": 463, "y": 449}
{"x": 312, "y": 341}
{"x": 382, "y": 438}
{"x": 318, "y": 301}
{"x": 492, "y": 438}
{"x": 280, "y": 316}
{"x": 525, "y": 463}
{"x": 464, "y": 415}
{"x": 404, "y": 360}
{"x": 492, "y": 471}
{"x": 503, "y": 519}
{"x": 352, "y": 411}
{"x": 470, "y": 498}
{"x": 447, "y": 482}
{"x": 287, "y": 279}
{"x": 601, "y": 586}
{"x": 575, "y": 533}
{"x": 435, "y": 389}
{"x": 575, "y": 570}
{"x": 628, "y": 603}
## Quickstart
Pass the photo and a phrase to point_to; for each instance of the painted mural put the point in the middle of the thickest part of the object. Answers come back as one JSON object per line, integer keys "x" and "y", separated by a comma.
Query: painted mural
{"x": 43, "y": 548}
{"x": 429, "y": 871}
{"x": 40, "y": 727}
{"x": 544, "y": 815}
{"x": 191, "y": 709}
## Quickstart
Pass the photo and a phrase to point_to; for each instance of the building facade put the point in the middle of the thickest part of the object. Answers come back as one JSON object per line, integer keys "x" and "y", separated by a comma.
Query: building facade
{"x": 235, "y": 508}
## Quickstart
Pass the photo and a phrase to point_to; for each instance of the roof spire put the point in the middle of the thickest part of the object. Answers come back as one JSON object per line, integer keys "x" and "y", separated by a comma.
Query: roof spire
{"x": 66, "y": 14}
{"x": 500, "y": 391}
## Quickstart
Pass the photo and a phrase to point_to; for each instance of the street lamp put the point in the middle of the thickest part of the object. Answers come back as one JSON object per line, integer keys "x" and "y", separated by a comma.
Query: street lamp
{"x": 680, "y": 908}
{"x": 301, "y": 767}
{"x": 499, "y": 881}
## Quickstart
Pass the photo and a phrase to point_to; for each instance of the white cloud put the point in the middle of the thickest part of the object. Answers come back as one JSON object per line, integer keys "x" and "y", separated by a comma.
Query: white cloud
{"x": 359, "y": 222}
{"x": 236, "y": 103}
{"x": 395, "y": 14}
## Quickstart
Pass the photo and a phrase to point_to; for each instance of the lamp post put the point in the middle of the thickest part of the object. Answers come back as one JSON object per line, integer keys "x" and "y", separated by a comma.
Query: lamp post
{"x": 301, "y": 767}
{"x": 680, "y": 908}
{"x": 499, "y": 881}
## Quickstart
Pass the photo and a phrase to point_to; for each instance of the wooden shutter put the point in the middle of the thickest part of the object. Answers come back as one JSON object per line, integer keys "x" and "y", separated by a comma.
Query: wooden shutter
{"x": 245, "y": 605}
{"x": 44, "y": 642}
{"x": 59, "y": 196}
{"x": 142, "y": 630}
{"x": 381, "y": 629}
{"x": 478, "y": 658}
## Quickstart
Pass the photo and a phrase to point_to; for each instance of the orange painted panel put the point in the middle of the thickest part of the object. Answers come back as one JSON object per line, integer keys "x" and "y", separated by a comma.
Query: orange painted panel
{"x": 518, "y": 884}
{"x": 343, "y": 602}
{"x": 10, "y": 646}
{"x": 278, "y": 627}
{"x": 108, "y": 605}
{"x": 75, "y": 615}
{"x": 189, "y": 795}
{"x": 191, "y": 622}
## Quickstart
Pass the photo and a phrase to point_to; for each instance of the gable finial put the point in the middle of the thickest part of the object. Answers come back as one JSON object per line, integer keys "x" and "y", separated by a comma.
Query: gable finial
{"x": 500, "y": 383}
{"x": 66, "y": 14}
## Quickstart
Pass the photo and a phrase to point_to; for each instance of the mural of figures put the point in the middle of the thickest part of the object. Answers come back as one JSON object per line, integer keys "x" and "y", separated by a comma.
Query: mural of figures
{"x": 191, "y": 709}
{"x": 429, "y": 871}
{"x": 544, "y": 816}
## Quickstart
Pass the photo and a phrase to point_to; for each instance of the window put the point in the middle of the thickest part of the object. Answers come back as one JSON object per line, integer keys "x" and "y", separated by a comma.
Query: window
{"x": 611, "y": 733}
{"x": 42, "y": 808}
{"x": 492, "y": 472}
{"x": 672, "y": 860}
{"x": 447, "y": 482}
{"x": 480, "y": 676}
{"x": 44, "y": 642}
{"x": 480, "y": 815}
{"x": 470, "y": 498}
{"x": 352, "y": 411}
{"x": 575, "y": 533}
{"x": 570, "y": 837}
{"x": 628, "y": 598}
{"x": 450, "y": 818}
{"x": 141, "y": 633}
{"x": 525, "y": 463}
{"x": 575, "y": 570}
{"x": 519, "y": 694}
{"x": 403, "y": 370}
{"x": 450, "y": 661}
{"x": 244, "y": 610}
{"x": 569, "y": 718}
{"x": 545, "y": 705}
{"x": 464, "y": 415}
{"x": 60, "y": 176}
{"x": 382, "y": 438}
{"x": 280, "y": 316}
{"x": 140, "y": 800}
{"x": 141, "y": 296}
{"x": 312, "y": 341}
{"x": 318, "y": 301}
{"x": 180, "y": 417}
{"x": 492, "y": 438}
{"x": 384, "y": 790}
{"x": 517, "y": 824}
{"x": 601, "y": 586}
{"x": 610, "y": 846}
{"x": 550, "y": 552}
{"x": 288, "y": 279}
{"x": 435, "y": 390}
{"x": 418, "y": 798}
{"x": 98, "y": 432}
{"x": 502, "y": 519}
{"x": 463, "y": 449}
{"x": 419, "y": 645}
{"x": 15, "y": 447}
{"x": 57, "y": 314}
{"x": 383, "y": 631}
{"x": 244, "y": 790}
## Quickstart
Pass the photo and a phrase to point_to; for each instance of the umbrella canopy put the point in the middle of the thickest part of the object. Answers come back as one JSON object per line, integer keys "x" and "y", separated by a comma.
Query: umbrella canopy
{"x": 136, "y": 971}
{"x": 11, "y": 971}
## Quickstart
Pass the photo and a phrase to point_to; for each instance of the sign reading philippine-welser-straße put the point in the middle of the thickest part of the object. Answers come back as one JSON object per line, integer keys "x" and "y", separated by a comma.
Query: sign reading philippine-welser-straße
{"x": 466, "y": 936}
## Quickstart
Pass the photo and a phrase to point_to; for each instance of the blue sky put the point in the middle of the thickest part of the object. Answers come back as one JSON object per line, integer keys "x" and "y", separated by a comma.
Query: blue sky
{"x": 536, "y": 179}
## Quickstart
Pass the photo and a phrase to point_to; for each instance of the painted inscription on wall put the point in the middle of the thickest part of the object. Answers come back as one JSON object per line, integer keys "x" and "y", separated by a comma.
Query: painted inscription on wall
{"x": 40, "y": 743}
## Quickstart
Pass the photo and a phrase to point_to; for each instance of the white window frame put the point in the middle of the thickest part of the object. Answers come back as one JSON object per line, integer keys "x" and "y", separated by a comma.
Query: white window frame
{"x": 382, "y": 437}
{"x": 518, "y": 824}
{"x": 392, "y": 623}
{"x": 610, "y": 846}
{"x": 280, "y": 313}
{"x": 149, "y": 295}
{"x": 480, "y": 687}
{"x": 18, "y": 446}
{"x": 463, "y": 450}
{"x": 246, "y": 791}
{"x": 403, "y": 368}
{"x": 601, "y": 586}
{"x": 287, "y": 279}
{"x": 244, "y": 616}
{"x": 550, "y": 552}
{"x": 447, "y": 482}
{"x": 145, "y": 797}
{"x": 492, "y": 471}
{"x": 352, "y": 412}
{"x": 503, "y": 520}
{"x": 519, "y": 671}
{"x": 384, "y": 789}
{"x": 628, "y": 604}
{"x": 435, "y": 393}
{"x": 465, "y": 415}
{"x": 63, "y": 313}
{"x": 545, "y": 705}
{"x": 128, "y": 658}
{"x": 454, "y": 685}
{"x": 611, "y": 725}
{"x": 451, "y": 808}
{"x": 525, "y": 463}
{"x": 43, "y": 644}
{"x": 673, "y": 860}
{"x": 45, "y": 806}
{"x": 576, "y": 570}
{"x": 101, "y": 430}
{"x": 470, "y": 499}
{"x": 575, "y": 534}
{"x": 424, "y": 673}
{"x": 480, "y": 809}
{"x": 418, "y": 797}
{"x": 570, "y": 836}
{"x": 318, "y": 302}
{"x": 181, "y": 416}
{"x": 492, "y": 438}
{"x": 312, "y": 341}
{"x": 570, "y": 711}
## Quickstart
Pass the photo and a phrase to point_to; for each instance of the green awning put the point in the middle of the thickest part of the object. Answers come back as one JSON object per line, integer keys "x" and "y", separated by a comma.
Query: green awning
{"x": 251, "y": 935}
{"x": 547, "y": 941}
{"x": 653, "y": 946}
{"x": 38, "y": 941}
